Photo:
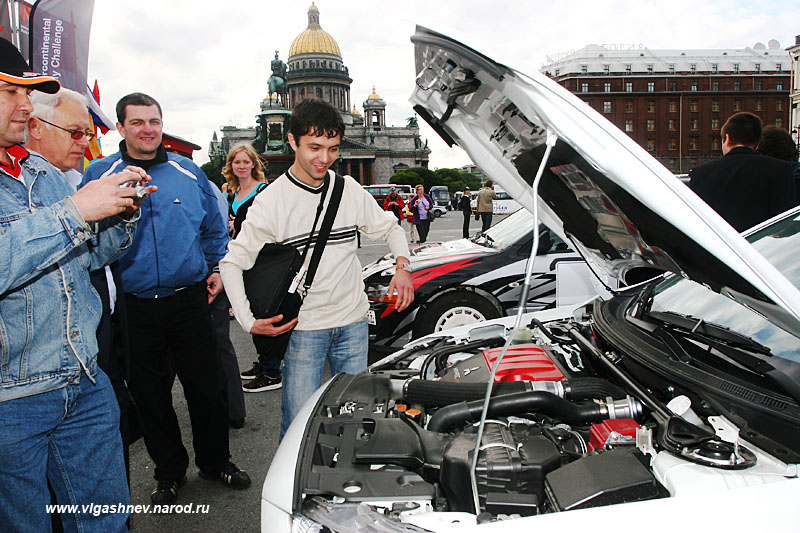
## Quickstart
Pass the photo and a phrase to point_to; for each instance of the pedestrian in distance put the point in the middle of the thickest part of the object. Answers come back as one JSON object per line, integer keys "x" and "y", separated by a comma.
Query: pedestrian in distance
{"x": 394, "y": 203}
{"x": 170, "y": 280}
{"x": 485, "y": 205}
{"x": 60, "y": 420}
{"x": 464, "y": 205}
{"x": 421, "y": 205}
{"x": 743, "y": 187}
{"x": 332, "y": 320}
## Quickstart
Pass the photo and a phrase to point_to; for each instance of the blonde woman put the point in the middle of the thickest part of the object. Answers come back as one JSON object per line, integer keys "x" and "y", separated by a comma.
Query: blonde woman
{"x": 244, "y": 175}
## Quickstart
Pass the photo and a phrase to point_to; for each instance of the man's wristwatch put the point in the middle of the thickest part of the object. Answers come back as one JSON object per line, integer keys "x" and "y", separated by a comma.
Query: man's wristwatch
{"x": 403, "y": 266}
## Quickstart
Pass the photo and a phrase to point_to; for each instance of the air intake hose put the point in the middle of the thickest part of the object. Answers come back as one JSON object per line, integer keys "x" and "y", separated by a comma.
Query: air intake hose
{"x": 547, "y": 403}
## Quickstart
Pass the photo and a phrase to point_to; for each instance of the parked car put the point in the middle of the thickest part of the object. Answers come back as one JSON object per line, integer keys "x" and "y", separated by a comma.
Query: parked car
{"x": 470, "y": 280}
{"x": 673, "y": 405}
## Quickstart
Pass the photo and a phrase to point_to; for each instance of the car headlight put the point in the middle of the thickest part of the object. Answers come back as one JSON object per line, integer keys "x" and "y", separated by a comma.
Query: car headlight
{"x": 379, "y": 292}
{"x": 344, "y": 517}
{"x": 303, "y": 524}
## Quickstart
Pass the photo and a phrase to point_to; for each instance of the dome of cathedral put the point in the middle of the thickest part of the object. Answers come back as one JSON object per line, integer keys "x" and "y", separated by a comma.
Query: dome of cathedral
{"x": 314, "y": 40}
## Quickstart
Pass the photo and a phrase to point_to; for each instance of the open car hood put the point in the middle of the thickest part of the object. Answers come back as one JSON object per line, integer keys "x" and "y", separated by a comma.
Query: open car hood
{"x": 600, "y": 191}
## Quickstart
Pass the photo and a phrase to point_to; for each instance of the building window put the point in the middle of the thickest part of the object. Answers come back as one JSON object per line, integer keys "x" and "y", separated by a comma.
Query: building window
{"x": 672, "y": 145}
{"x": 628, "y": 87}
{"x": 758, "y": 67}
{"x": 651, "y": 86}
{"x": 672, "y": 68}
{"x": 715, "y": 106}
{"x": 737, "y": 86}
{"x": 759, "y": 105}
{"x": 628, "y": 68}
{"x": 651, "y": 106}
{"x": 607, "y": 87}
{"x": 779, "y": 105}
{"x": 673, "y": 86}
{"x": 673, "y": 106}
{"x": 628, "y": 125}
{"x": 606, "y": 69}
{"x": 651, "y": 125}
{"x": 694, "y": 86}
{"x": 779, "y": 86}
{"x": 672, "y": 124}
{"x": 779, "y": 122}
{"x": 758, "y": 85}
{"x": 714, "y": 67}
{"x": 629, "y": 107}
{"x": 737, "y": 105}
{"x": 606, "y": 107}
{"x": 693, "y": 106}
{"x": 715, "y": 86}
{"x": 651, "y": 145}
{"x": 693, "y": 124}
{"x": 715, "y": 144}
{"x": 714, "y": 124}
{"x": 736, "y": 68}
{"x": 779, "y": 67}
{"x": 693, "y": 144}
{"x": 693, "y": 68}
{"x": 584, "y": 87}
{"x": 649, "y": 68}
{"x": 584, "y": 69}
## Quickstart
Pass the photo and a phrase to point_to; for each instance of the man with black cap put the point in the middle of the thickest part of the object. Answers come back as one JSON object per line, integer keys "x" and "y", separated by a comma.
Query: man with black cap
{"x": 58, "y": 412}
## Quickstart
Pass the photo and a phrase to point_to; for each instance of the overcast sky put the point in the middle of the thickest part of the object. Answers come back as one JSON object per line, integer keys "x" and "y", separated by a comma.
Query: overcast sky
{"x": 207, "y": 63}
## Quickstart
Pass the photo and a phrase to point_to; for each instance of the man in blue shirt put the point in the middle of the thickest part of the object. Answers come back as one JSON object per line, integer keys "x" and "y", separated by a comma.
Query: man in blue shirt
{"x": 170, "y": 277}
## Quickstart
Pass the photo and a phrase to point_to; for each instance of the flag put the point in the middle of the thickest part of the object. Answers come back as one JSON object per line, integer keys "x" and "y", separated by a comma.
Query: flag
{"x": 59, "y": 40}
{"x": 93, "y": 151}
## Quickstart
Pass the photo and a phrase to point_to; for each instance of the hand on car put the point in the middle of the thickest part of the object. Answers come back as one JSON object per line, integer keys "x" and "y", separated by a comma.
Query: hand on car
{"x": 105, "y": 197}
{"x": 401, "y": 282}
{"x": 264, "y": 326}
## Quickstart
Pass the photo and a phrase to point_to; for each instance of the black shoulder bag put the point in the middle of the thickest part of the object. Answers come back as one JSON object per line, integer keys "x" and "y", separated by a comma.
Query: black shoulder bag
{"x": 273, "y": 283}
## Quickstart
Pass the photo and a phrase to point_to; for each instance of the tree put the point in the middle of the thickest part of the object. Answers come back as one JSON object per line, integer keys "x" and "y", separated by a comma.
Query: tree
{"x": 414, "y": 176}
{"x": 213, "y": 170}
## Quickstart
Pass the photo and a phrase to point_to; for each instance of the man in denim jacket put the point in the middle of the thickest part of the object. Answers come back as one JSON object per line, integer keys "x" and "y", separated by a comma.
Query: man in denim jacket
{"x": 58, "y": 415}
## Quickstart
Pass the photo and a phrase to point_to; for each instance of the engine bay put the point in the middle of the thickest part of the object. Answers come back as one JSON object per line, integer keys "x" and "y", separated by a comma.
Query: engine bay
{"x": 563, "y": 430}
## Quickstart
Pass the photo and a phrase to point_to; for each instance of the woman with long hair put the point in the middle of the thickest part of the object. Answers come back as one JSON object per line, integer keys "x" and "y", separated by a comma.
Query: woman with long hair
{"x": 244, "y": 175}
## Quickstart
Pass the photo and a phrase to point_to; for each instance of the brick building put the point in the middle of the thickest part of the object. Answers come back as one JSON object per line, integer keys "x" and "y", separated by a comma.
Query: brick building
{"x": 674, "y": 102}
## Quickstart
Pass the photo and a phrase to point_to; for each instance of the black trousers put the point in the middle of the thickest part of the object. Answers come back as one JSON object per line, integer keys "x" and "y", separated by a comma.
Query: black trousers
{"x": 423, "y": 228}
{"x": 486, "y": 221}
{"x": 465, "y": 229}
{"x": 227, "y": 354}
{"x": 176, "y": 333}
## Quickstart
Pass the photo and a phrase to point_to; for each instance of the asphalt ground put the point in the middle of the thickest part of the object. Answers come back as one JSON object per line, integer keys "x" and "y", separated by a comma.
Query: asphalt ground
{"x": 252, "y": 447}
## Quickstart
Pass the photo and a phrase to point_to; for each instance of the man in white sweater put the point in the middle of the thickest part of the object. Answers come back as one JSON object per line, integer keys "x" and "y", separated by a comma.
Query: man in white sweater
{"x": 332, "y": 321}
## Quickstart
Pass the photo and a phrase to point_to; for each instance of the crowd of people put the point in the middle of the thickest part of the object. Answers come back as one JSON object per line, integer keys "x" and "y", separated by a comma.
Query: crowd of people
{"x": 113, "y": 288}
{"x": 119, "y": 279}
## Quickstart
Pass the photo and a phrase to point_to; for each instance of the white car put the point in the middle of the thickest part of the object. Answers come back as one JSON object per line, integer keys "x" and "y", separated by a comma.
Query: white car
{"x": 673, "y": 405}
{"x": 503, "y": 203}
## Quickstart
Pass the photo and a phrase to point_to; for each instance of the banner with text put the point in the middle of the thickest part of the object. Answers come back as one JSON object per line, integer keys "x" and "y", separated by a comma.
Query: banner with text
{"x": 59, "y": 40}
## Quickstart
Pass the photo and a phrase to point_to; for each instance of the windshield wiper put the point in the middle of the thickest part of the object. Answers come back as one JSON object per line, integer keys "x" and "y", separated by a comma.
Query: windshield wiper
{"x": 727, "y": 342}
{"x": 697, "y": 325}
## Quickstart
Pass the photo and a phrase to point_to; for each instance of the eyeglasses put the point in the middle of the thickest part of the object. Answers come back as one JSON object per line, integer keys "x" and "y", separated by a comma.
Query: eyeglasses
{"x": 76, "y": 135}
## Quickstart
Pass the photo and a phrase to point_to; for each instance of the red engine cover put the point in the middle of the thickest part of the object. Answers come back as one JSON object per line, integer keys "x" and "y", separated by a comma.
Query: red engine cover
{"x": 523, "y": 362}
{"x": 624, "y": 429}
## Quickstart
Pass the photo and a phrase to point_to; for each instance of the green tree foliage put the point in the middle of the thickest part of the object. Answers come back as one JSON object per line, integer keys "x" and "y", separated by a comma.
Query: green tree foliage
{"x": 213, "y": 170}
{"x": 454, "y": 179}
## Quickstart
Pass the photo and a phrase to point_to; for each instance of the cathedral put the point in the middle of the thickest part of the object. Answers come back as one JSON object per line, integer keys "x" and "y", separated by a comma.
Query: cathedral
{"x": 371, "y": 151}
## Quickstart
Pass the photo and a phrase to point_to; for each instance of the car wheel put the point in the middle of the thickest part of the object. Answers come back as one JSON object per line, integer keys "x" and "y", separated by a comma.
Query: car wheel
{"x": 436, "y": 213}
{"x": 454, "y": 309}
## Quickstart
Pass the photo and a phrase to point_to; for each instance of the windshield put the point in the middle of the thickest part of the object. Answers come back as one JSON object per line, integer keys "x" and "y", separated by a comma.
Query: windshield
{"x": 508, "y": 231}
{"x": 780, "y": 244}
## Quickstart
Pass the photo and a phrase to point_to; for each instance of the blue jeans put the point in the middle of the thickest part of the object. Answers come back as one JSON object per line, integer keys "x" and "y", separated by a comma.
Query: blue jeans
{"x": 69, "y": 436}
{"x": 346, "y": 351}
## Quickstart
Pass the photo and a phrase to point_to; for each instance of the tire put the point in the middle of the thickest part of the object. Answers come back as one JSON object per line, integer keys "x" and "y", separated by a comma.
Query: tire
{"x": 452, "y": 310}
{"x": 436, "y": 213}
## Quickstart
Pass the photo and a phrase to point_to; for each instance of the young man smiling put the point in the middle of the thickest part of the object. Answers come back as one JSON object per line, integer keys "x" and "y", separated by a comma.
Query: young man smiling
{"x": 332, "y": 322}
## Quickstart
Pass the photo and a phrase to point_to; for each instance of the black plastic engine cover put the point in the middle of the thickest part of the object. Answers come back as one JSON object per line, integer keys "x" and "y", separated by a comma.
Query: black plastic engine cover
{"x": 514, "y": 460}
{"x": 610, "y": 477}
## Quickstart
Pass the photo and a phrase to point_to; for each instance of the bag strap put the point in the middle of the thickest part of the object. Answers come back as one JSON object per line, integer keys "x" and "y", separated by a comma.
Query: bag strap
{"x": 324, "y": 231}
{"x": 322, "y": 194}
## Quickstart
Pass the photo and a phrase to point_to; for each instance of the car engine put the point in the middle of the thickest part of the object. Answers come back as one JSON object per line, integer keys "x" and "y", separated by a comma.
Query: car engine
{"x": 563, "y": 430}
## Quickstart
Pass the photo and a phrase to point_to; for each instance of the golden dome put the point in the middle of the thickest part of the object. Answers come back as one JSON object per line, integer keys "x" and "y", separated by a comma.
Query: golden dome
{"x": 374, "y": 95}
{"x": 355, "y": 111}
{"x": 314, "y": 40}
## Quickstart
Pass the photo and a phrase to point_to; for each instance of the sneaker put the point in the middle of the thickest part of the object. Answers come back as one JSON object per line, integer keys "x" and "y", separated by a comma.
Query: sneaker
{"x": 252, "y": 373}
{"x": 231, "y": 476}
{"x": 262, "y": 383}
{"x": 166, "y": 491}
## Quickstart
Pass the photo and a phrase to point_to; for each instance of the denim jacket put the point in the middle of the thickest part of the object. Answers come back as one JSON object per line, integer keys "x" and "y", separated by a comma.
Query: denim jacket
{"x": 48, "y": 309}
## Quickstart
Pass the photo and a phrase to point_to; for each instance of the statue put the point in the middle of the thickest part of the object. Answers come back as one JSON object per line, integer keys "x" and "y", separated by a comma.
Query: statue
{"x": 260, "y": 141}
{"x": 277, "y": 82}
{"x": 411, "y": 122}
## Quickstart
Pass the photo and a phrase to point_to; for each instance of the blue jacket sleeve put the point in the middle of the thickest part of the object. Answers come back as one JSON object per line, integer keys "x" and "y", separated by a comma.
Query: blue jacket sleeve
{"x": 213, "y": 230}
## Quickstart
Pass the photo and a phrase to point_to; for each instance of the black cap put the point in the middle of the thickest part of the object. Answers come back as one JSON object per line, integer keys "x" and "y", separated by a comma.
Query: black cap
{"x": 15, "y": 70}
